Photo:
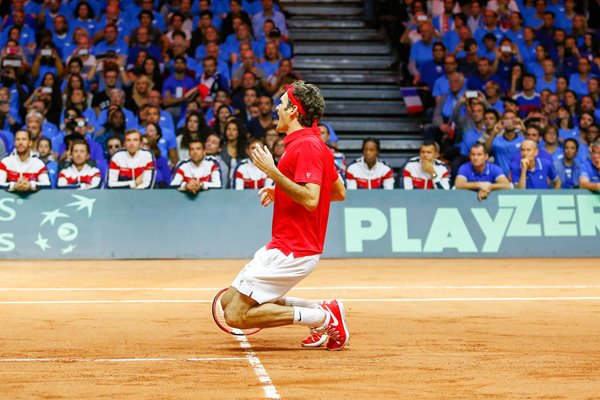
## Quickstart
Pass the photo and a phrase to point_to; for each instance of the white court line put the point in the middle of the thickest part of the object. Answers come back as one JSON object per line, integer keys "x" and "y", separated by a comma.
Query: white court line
{"x": 400, "y": 287}
{"x": 260, "y": 371}
{"x": 391, "y": 300}
{"x": 117, "y": 360}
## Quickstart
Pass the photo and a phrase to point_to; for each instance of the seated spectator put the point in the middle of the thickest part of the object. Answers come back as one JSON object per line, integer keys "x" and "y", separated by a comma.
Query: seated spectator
{"x": 441, "y": 87}
{"x": 533, "y": 172}
{"x": 268, "y": 12}
{"x": 578, "y": 82}
{"x": 80, "y": 175}
{"x": 249, "y": 64}
{"x": 480, "y": 175}
{"x": 338, "y": 157}
{"x": 246, "y": 174}
{"x": 568, "y": 167}
{"x": 143, "y": 42}
{"x": 426, "y": 171}
{"x": 213, "y": 149}
{"x": 489, "y": 49}
{"x": 131, "y": 167}
{"x": 257, "y": 127}
{"x": 198, "y": 173}
{"x": 590, "y": 171}
{"x": 22, "y": 171}
{"x": 548, "y": 79}
{"x": 432, "y": 70}
{"x": 369, "y": 172}
{"x": 277, "y": 149}
{"x": 550, "y": 143}
{"x": 195, "y": 128}
{"x": 235, "y": 11}
{"x": 114, "y": 144}
{"x": 484, "y": 74}
{"x": 175, "y": 87}
{"x": 113, "y": 44}
{"x": 168, "y": 142}
{"x": 149, "y": 142}
{"x": 490, "y": 26}
{"x": 528, "y": 100}
{"x": 44, "y": 149}
{"x": 235, "y": 145}
{"x": 421, "y": 52}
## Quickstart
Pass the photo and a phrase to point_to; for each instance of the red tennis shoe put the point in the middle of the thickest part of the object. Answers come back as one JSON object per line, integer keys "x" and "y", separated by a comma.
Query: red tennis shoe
{"x": 316, "y": 339}
{"x": 336, "y": 329}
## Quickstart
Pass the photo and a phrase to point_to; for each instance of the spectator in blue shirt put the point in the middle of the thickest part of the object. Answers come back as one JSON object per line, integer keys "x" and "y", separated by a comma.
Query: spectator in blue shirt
{"x": 548, "y": 79}
{"x": 550, "y": 143}
{"x": 505, "y": 140}
{"x": 528, "y": 100}
{"x": 579, "y": 82}
{"x": 111, "y": 43}
{"x": 430, "y": 71}
{"x": 480, "y": 175}
{"x": 484, "y": 74}
{"x": 568, "y": 167}
{"x": 590, "y": 170}
{"x": 421, "y": 52}
{"x": 175, "y": 87}
{"x": 533, "y": 172}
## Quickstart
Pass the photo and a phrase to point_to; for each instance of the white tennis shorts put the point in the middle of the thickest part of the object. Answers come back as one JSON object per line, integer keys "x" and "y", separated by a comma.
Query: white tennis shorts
{"x": 271, "y": 274}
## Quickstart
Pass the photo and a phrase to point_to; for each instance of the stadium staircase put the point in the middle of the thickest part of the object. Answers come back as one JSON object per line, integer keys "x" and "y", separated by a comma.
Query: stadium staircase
{"x": 351, "y": 63}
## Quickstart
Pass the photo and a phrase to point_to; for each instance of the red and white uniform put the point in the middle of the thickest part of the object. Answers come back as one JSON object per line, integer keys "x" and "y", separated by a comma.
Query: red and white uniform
{"x": 208, "y": 172}
{"x": 360, "y": 176}
{"x": 248, "y": 176}
{"x": 33, "y": 169}
{"x": 416, "y": 178}
{"x": 124, "y": 169}
{"x": 87, "y": 178}
{"x": 298, "y": 235}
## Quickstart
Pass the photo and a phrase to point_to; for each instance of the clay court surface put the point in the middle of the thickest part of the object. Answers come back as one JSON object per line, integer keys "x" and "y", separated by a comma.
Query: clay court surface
{"x": 421, "y": 329}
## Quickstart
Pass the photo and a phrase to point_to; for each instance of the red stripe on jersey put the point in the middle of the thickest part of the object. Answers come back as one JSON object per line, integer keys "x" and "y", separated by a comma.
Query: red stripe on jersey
{"x": 252, "y": 184}
{"x": 419, "y": 183}
{"x": 364, "y": 183}
{"x": 130, "y": 172}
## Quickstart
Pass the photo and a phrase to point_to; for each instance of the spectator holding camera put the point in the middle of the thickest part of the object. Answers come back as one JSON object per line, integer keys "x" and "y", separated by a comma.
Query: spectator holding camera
{"x": 505, "y": 140}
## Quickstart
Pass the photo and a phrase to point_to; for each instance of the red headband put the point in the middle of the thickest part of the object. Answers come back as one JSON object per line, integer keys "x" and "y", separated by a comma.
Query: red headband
{"x": 295, "y": 100}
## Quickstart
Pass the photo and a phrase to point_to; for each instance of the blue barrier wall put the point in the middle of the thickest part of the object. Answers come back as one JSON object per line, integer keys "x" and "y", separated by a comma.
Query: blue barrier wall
{"x": 230, "y": 224}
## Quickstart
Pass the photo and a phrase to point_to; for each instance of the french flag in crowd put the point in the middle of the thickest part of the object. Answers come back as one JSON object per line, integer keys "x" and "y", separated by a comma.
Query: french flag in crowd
{"x": 412, "y": 100}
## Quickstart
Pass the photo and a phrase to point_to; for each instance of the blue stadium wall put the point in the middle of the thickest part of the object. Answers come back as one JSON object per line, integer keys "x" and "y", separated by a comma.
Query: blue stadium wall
{"x": 227, "y": 224}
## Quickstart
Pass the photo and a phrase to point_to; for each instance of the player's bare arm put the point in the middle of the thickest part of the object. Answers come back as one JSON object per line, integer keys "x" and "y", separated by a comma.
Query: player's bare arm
{"x": 307, "y": 195}
{"x": 338, "y": 190}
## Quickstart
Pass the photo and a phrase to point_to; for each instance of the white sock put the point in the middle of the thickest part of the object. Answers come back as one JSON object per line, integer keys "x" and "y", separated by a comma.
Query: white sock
{"x": 298, "y": 302}
{"x": 313, "y": 317}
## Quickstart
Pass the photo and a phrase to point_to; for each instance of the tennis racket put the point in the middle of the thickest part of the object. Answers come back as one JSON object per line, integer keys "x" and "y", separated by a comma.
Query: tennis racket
{"x": 219, "y": 317}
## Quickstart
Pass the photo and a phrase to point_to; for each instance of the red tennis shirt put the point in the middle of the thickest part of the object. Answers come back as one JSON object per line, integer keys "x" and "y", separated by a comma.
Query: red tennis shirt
{"x": 295, "y": 229}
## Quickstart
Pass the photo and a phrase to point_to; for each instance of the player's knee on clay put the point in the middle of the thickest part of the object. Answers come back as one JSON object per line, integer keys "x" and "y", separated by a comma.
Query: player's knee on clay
{"x": 235, "y": 316}
{"x": 226, "y": 299}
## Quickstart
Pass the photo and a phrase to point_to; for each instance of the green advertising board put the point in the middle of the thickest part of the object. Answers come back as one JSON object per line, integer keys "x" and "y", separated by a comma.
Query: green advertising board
{"x": 230, "y": 224}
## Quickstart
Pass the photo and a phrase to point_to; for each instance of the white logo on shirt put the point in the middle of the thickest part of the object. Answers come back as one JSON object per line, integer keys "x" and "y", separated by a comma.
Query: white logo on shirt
{"x": 308, "y": 174}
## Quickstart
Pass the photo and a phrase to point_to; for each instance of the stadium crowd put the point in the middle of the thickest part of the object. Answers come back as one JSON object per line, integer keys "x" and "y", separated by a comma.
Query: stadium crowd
{"x": 152, "y": 94}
